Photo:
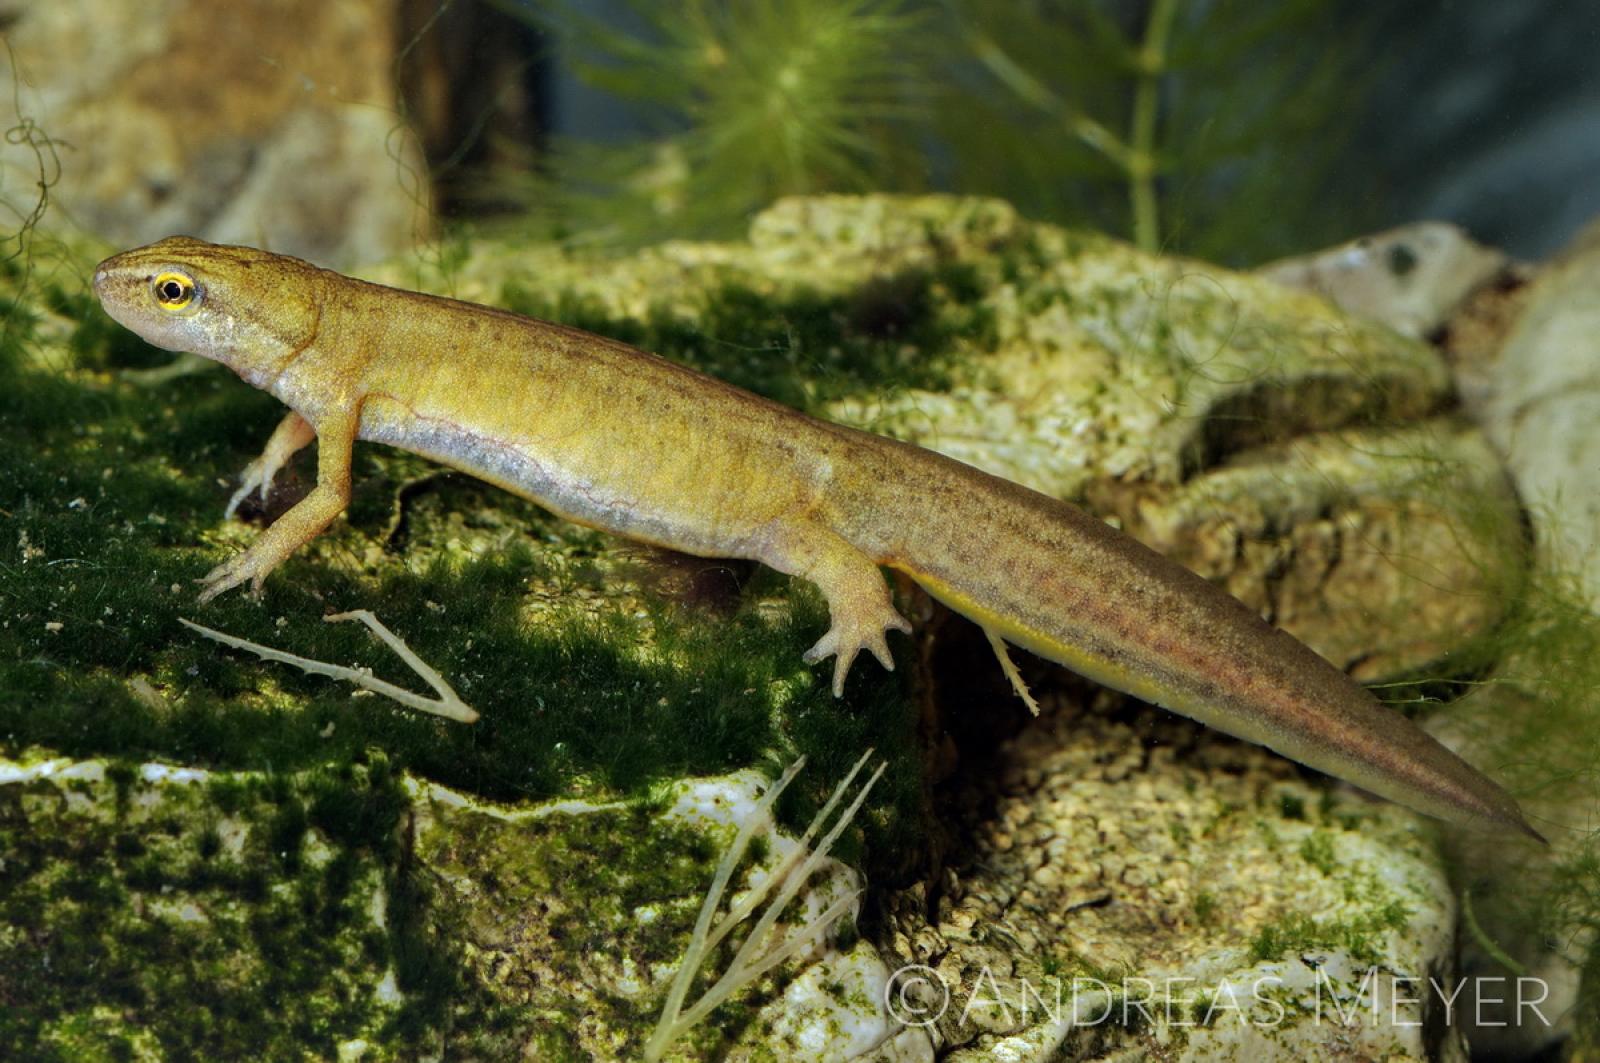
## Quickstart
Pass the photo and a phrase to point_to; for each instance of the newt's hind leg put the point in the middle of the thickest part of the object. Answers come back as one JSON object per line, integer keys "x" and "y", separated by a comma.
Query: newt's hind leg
{"x": 859, "y": 608}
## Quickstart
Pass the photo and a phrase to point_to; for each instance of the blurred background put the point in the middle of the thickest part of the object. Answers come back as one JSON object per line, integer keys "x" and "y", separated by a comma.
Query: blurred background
{"x": 1234, "y": 130}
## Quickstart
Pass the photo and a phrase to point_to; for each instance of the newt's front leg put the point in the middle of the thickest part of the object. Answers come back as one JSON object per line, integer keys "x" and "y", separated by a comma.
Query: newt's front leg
{"x": 336, "y": 436}
{"x": 859, "y": 609}
{"x": 292, "y": 433}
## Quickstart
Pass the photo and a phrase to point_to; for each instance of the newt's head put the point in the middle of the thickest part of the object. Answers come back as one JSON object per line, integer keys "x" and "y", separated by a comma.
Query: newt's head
{"x": 248, "y": 309}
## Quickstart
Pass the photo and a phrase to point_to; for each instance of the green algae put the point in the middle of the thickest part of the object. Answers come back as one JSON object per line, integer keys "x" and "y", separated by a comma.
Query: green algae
{"x": 585, "y": 881}
{"x": 182, "y": 916}
{"x": 1359, "y": 935}
{"x": 806, "y": 349}
{"x": 1318, "y": 851}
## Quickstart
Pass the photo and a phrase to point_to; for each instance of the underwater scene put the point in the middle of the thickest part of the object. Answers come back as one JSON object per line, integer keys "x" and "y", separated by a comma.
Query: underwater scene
{"x": 852, "y": 530}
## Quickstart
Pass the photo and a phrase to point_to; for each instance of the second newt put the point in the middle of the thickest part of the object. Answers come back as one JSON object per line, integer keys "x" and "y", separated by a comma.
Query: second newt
{"x": 622, "y": 440}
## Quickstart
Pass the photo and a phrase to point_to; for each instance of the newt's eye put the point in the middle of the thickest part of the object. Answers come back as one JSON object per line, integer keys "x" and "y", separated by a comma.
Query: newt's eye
{"x": 174, "y": 291}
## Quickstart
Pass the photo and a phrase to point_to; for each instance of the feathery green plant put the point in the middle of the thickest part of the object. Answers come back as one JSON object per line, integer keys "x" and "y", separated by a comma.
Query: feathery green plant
{"x": 1173, "y": 123}
{"x": 1169, "y": 123}
{"x": 749, "y": 101}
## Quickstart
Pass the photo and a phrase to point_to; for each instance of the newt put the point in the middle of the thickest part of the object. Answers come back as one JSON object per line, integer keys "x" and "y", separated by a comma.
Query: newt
{"x": 622, "y": 440}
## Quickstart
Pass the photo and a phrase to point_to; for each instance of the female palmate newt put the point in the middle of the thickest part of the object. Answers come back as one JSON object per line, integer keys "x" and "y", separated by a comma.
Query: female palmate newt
{"x": 622, "y": 440}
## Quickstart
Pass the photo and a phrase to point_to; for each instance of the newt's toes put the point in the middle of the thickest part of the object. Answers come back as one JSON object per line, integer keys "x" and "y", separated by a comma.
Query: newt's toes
{"x": 209, "y": 589}
{"x": 841, "y": 669}
{"x": 224, "y": 577}
{"x": 848, "y": 646}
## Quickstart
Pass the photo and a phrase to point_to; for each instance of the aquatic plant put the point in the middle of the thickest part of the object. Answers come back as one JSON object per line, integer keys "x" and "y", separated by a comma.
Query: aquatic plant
{"x": 746, "y": 101}
{"x": 1170, "y": 123}
{"x": 1165, "y": 122}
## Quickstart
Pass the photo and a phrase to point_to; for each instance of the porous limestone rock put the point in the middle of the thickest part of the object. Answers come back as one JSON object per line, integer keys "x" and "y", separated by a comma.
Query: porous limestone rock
{"x": 1140, "y": 888}
{"x": 1542, "y": 406}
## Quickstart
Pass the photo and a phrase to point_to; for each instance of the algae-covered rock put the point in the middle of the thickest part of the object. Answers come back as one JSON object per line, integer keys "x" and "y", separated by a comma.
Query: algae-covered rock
{"x": 571, "y": 919}
{"x": 152, "y": 911}
{"x": 536, "y": 886}
{"x": 149, "y": 910}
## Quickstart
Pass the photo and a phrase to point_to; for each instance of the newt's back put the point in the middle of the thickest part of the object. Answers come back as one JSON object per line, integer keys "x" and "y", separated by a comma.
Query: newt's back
{"x": 600, "y": 432}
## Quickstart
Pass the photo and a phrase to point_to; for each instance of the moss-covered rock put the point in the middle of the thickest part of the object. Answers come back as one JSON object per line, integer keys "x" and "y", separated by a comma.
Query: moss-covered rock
{"x": 154, "y": 912}
{"x": 1303, "y": 458}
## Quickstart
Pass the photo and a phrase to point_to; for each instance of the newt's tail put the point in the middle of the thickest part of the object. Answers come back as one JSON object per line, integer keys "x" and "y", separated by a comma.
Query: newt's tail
{"x": 1054, "y": 580}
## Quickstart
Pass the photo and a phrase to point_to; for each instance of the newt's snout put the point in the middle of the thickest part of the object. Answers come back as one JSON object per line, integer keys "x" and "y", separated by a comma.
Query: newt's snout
{"x": 116, "y": 284}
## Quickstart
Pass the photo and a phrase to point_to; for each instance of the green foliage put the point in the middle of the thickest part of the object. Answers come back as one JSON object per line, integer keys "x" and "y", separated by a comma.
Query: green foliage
{"x": 1170, "y": 123}
{"x": 749, "y": 101}
{"x": 1173, "y": 123}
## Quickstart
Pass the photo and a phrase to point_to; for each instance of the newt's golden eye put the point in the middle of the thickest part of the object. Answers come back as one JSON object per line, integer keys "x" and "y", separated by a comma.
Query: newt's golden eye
{"x": 174, "y": 291}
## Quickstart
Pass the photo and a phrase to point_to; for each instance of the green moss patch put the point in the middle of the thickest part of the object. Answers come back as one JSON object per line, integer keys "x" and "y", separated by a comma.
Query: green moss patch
{"x": 806, "y": 349}
{"x": 139, "y": 922}
{"x": 1360, "y": 935}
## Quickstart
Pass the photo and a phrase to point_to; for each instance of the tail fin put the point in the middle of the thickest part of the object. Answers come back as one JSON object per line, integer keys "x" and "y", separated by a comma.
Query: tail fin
{"x": 1054, "y": 580}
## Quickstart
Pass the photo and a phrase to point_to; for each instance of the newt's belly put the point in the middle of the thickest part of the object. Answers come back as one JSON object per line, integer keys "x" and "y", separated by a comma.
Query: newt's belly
{"x": 615, "y": 485}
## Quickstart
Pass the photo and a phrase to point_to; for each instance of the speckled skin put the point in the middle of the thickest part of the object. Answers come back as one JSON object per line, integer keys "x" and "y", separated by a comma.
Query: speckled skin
{"x": 622, "y": 440}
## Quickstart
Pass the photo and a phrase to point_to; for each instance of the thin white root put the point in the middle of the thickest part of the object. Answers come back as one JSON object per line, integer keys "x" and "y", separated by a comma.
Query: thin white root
{"x": 1010, "y": 669}
{"x": 448, "y": 704}
{"x": 753, "y": 960}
